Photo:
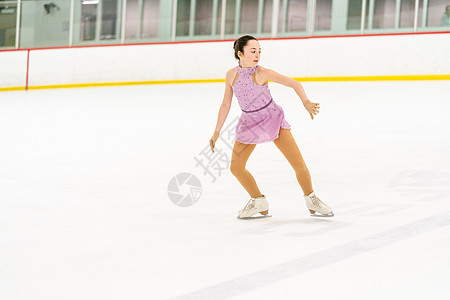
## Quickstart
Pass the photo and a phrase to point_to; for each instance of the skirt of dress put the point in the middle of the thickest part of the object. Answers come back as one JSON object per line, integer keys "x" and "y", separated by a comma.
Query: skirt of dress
{"x": 261, "y": 126}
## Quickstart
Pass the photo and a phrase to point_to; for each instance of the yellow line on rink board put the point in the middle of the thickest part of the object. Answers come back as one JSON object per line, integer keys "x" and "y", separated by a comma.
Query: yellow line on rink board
{"x": 20, "y": 88}
{"x": 331, "y": 78}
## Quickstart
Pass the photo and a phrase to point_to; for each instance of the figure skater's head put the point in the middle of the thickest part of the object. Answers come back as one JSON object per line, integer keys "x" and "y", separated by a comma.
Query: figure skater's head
{"x": 247, "y": 51}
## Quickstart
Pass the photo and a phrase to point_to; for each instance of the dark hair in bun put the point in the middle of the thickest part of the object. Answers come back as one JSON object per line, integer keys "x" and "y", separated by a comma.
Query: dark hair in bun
{"x": 240, "y": 43}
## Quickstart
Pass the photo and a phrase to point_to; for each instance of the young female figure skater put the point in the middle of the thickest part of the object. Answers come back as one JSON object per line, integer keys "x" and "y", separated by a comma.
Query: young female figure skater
{"x": 261, "y": 121}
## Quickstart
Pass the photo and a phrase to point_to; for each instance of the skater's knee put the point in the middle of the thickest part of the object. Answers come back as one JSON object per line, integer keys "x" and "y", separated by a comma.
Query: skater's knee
{"x": 300, "y": 167}
{"x": 236, "y": 168}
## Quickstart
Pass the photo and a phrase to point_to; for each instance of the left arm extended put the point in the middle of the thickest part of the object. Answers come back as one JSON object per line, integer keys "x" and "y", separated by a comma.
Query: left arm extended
{"x": 312, "y": 108}
{"x": 289, "y": 82}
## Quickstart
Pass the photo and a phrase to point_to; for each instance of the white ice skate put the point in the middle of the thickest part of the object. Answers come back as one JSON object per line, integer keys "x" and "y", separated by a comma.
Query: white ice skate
{"x": 254, "y": 206}
{"x": 314, "y": 205}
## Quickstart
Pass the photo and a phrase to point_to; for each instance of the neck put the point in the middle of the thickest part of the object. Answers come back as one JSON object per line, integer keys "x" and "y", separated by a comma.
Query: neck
{"x": 244, "y": 66}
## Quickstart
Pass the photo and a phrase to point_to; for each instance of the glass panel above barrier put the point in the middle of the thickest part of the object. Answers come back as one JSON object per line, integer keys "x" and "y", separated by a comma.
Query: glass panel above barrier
{"x": 203, "y": 17}
{"x": 109, "y": 18}
{"x": 420, "y": 15}
{"x": 8, "y": 21}
{"x": 407, "y": 9}
{"x": 384, "y": 14}
{"x": 248, "y": 19}
{"x": 354, "y": 14}
{"x": 132, "y": 19}
{"x": 322, "y": 17}
{"x": 230, "y": 17}
{"x": 44, "y": 23}
{"x": 183, "y": 17}
{"x": 438, "y": 15}
{"x": 150, "y": 19}
{"x": 217, "y": 28}
{"x": 293, "y": 16}
{"x": 267, "y": 16}
{"x": 98, "y": 22}
{"x": 88, "y": 25}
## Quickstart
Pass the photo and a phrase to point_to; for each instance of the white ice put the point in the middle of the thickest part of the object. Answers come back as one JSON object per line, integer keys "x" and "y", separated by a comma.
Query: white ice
{"x": 85, "y": 211}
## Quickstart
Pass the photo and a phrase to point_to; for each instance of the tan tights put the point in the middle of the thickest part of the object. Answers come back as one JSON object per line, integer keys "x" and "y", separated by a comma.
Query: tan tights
{"x": 287, "y": 145}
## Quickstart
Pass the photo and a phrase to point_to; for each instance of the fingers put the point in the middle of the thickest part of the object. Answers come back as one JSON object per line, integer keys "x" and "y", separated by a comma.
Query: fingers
{"x": 316, "y": 108}
{"x": 313, "y": 111}
{"x": 211, "y": 144}
{"x": 312, "y": 108}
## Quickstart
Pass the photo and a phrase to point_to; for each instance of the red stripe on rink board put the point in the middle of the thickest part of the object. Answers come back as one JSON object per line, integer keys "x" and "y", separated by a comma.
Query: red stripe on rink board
{"x": 219, "y": 41}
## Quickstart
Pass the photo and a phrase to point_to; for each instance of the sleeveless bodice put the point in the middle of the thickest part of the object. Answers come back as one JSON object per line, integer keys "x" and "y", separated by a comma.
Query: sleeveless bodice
{"x": 250, "y": 95}
{"x": 261, "y": 117}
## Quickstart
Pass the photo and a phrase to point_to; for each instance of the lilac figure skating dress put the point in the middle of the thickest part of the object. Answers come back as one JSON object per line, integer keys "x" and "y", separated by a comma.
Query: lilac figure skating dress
{"x": 261, "y": 117}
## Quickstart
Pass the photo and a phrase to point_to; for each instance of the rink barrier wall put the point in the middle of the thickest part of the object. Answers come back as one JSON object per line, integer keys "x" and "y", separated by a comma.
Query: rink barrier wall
{"x": 398, "y": 56}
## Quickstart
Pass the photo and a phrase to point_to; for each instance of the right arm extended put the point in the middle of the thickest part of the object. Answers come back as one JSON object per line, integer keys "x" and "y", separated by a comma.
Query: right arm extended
{"x": 224, "y": 109}
{"x": 226, "y": 103}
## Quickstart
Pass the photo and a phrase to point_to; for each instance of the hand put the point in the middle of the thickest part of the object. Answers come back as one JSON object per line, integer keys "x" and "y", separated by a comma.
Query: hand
{"x": 213, "y": 140}
{"x": 312, "y": 108}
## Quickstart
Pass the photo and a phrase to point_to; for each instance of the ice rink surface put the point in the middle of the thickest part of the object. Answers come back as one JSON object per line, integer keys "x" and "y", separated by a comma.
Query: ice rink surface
{"x": 85, "y": 211}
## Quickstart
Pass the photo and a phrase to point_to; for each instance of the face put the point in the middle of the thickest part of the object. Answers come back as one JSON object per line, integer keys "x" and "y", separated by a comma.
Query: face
{"x": 251, "y": 55}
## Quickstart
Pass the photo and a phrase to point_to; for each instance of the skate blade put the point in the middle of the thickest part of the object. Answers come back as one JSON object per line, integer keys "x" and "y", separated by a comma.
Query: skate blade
{"x": 323, "y": 216}
{"x": 256, "y": 217}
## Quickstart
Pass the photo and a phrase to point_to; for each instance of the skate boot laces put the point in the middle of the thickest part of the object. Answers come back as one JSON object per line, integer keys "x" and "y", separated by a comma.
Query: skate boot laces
{"x": 250, "y": 205}
{"x": 316, "y": 201}
{"x": 253, "y": 206}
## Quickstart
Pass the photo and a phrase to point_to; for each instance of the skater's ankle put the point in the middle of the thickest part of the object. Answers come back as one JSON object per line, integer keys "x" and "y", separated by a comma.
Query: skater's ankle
{"x": 307, "y": 194}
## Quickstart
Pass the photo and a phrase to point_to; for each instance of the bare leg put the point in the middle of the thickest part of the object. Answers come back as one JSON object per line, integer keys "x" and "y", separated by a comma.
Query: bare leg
{"x": 241, "y": 153}
{"x": 287, "y": 145}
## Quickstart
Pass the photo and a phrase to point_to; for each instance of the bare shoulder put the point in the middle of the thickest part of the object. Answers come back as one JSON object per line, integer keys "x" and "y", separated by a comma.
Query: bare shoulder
{"x": 263, "y": 70}
{"x": 263, "y": 73}
{"x": 230, "y": 75}
{"x": 232, "y": 71}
